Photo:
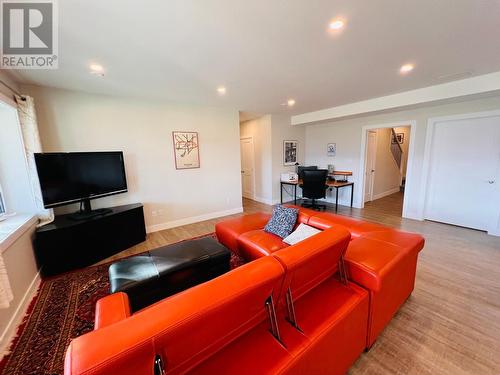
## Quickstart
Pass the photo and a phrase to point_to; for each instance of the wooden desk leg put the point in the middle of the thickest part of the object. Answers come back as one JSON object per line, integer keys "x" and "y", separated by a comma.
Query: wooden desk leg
{"x": 281, "y": 192}
{"x": 295, "y": 194}
{"x": 336, "y": 199}
{"x": 352, "y": 193}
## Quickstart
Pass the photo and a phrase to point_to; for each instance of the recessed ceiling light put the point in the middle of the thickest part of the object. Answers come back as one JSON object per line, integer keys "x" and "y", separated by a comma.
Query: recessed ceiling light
{"x": 97, "y": 69}
{"x": 337, "y": 24}
{"x": 406, "y": 68}
{"x": 290, "y": 102}
{"x": 221, "y": 90}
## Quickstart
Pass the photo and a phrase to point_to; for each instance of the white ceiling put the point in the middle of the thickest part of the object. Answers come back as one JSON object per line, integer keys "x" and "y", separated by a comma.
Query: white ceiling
{"x": 265, "y": 51}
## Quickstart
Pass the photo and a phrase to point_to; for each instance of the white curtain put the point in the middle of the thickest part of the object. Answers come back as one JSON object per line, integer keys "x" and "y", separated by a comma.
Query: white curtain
{"x": 31, "y": 141}
{"x": 32, "y": 144}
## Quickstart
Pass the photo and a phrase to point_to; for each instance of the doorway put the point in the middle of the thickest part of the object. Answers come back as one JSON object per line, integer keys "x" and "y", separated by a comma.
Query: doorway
{"x": 247, "y": 167}
{"x": 371, "y": 157}
{"x": 463, "y": 169}
{"x": 386, "y": 151}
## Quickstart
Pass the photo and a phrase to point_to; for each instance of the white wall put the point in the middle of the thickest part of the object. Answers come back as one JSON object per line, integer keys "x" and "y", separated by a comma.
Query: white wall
{"x": 282, "y": 130}
{"x": 347, "y": 134}
{"x": 387, "y": 174}
{"x": 268, "y": 133}
{"x": 72, "y": 121}
{"x": 23, "y": 277}
{"x": 260, "y": 130}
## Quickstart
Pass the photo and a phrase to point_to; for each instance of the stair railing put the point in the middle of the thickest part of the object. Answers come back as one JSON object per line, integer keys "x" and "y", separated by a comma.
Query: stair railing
{"x": 396, "y": 150}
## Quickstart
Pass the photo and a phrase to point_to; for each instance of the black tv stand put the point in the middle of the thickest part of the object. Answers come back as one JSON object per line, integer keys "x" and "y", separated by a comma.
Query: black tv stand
{"x": 86, "y": 212}
{"x": 67, "y": 244}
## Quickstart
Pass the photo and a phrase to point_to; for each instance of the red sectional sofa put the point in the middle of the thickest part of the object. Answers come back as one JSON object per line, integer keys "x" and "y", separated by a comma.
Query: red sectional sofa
{"x": 380, "y": 259}
{"x": 284, "y": 312}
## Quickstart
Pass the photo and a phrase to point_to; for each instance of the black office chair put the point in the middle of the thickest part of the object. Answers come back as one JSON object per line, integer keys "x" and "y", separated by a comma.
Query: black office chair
{"x": 314, "y": 187}
{"x": 301, "y": 169}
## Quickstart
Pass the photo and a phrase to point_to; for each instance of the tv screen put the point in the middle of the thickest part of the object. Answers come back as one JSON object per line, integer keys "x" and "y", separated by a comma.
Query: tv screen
{"x": 75, "y": 176}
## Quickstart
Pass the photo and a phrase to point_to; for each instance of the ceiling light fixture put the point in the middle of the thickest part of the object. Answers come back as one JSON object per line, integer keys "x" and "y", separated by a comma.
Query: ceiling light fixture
{"x": 97, "y": 69}
{"x": 290, "y": 102}
{"x": 221, "y": 90}
{"x": 337, "y": 24}
{"x": 406, "y": 68}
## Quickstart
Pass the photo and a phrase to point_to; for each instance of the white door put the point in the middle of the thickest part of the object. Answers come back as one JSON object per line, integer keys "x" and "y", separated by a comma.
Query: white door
{"x": 247, "y": 167}
{"x": 371, "y": 154}
{"x": 463, "y": 173}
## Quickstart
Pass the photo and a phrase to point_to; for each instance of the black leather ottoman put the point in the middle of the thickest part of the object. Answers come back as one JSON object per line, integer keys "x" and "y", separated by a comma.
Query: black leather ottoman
{"x": 159, "y": 273}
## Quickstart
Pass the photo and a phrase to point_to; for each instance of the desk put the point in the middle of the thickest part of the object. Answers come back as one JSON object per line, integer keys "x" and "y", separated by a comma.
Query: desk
{"x": 331, "y": 185}
{"x": 345, "y": 174}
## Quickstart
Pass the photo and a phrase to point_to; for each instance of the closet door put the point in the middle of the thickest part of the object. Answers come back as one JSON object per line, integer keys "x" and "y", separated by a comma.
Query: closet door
{"x": 464, "y": 171}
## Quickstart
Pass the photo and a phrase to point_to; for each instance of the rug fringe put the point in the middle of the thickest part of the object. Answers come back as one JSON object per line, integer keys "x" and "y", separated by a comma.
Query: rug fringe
{"x": 19, "y": 329}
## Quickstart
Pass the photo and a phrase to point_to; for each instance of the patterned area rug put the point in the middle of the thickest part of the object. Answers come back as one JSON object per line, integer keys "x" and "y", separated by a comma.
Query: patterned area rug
{"x": 62, "y": 310}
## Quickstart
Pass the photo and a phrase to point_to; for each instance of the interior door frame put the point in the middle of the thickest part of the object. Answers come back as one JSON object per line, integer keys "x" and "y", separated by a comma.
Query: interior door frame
{"x": 375, "y": 162}
{"x": 429, "y": 143}
{"x": 253, "y": 167}
{"x": 360, "y": 194}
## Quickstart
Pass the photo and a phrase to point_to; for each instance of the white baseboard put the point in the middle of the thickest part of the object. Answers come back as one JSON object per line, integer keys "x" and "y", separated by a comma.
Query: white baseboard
{"x": 18, "y": 316}
{"x": 494, "y": 232}
{"x": 192, "y": 219}
{"x": 386, "y": 193}
{"x": 263, "y": 200}
{"x": 413, "y": 215}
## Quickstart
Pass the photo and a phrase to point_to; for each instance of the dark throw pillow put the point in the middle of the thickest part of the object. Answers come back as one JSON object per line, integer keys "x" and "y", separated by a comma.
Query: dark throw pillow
{"x": 282, "y": 221}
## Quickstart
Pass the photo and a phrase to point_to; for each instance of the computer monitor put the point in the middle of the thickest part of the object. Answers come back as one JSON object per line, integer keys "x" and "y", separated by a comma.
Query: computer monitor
{"x": 301, "y": 169}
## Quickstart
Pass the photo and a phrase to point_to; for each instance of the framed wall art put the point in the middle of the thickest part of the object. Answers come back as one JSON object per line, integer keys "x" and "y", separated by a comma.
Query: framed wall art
{"x": 331, "y": 149}
{"x": 290, "y": 152}
{"x": 399, "y": 138}
{"x": 186, "y": 149}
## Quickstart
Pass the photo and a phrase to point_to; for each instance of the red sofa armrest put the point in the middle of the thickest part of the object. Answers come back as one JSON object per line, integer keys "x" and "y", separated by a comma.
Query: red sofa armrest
{"x": 111, "y": 309}
{"x": 228, "y": 231}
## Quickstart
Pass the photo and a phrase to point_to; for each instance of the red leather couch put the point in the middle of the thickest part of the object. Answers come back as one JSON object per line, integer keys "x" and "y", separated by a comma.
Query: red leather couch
{"x": 227, "y": 325}
{"x": 380, "y": 259}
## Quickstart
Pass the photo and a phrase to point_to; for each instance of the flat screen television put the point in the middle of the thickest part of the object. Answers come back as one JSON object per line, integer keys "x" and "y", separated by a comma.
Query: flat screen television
{"x": 69, "y": 177}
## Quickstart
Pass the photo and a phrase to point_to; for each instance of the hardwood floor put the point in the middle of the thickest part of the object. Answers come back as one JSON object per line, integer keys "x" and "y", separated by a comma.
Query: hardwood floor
{"x": 450, "y": 324}
{"x": 168, "y": 236}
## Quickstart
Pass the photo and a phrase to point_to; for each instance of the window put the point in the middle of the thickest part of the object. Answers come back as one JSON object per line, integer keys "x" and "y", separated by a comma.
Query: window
{"x": 2, "y": 203}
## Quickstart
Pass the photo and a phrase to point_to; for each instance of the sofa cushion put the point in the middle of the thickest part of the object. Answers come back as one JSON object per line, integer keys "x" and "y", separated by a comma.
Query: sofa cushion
{"x": 185, "y": 329}
{"x": 258, "y": 243}
{"x": 302, "y": 232}
{"x": 282, "y": 221}
{"x": 310, "y": 262}
{"x": 368, "y": 260}
{"x": 410, "y": 242}
{"x": 303, "y": 215}
{"x": 356, "y": 227}
{"x": 228, "y": 231}
{"x": 333, "y": 316}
